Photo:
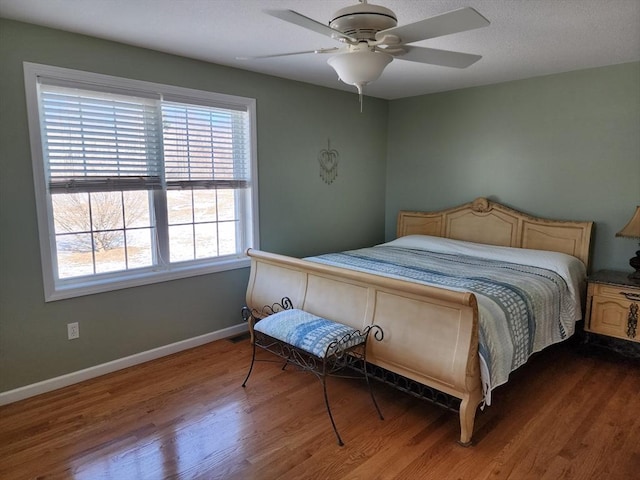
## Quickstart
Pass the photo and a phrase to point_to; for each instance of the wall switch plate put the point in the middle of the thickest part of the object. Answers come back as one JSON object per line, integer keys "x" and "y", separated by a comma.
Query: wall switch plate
{"x": 73, "y": 330}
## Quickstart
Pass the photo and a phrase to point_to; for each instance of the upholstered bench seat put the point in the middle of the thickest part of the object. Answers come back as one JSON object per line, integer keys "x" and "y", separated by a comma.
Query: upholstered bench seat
{"x": 306, "y": 331}
{"x": 315, "y": 344}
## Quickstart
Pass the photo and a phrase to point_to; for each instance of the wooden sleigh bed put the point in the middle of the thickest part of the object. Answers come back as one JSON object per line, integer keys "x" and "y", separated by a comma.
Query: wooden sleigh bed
{"x": 430, "y": 333}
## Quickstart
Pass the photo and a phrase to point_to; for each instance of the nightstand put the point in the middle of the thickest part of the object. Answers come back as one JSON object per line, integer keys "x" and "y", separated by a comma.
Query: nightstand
{"x": 613, "y": 307}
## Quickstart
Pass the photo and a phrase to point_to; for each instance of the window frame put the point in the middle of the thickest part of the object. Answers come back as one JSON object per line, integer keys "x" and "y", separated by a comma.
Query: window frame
{"x": 56, "y": 288}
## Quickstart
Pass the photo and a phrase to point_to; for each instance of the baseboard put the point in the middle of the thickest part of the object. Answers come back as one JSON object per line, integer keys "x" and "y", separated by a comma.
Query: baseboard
{"x": 27, "y": 391}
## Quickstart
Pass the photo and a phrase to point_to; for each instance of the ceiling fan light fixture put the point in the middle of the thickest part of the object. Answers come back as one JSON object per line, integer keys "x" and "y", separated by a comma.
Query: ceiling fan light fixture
{"x": 359, "y": 68}
{"x": 371, "y": 39}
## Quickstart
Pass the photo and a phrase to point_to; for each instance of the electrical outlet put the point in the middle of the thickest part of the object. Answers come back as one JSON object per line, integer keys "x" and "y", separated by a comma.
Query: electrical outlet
{"x": 73, "y": 330}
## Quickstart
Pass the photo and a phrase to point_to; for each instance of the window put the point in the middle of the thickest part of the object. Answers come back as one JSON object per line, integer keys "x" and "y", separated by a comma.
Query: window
{"x": 138, "y": 182}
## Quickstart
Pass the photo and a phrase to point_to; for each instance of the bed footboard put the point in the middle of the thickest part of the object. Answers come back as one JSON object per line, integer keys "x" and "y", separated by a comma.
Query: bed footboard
{"x": 430, "y": 334}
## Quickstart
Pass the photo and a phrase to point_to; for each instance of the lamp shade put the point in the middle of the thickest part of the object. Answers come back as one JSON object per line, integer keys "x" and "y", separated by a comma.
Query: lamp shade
{"x": 359, "y": 67}
{"x": 631, "y": 229}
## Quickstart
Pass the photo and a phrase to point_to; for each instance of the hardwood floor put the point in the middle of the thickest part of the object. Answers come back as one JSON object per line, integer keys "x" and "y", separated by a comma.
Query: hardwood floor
{"x": 568, "y": 413}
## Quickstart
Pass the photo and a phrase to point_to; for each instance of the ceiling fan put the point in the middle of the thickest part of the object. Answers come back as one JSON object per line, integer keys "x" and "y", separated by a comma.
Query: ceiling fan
{"x": 372, "y": 39}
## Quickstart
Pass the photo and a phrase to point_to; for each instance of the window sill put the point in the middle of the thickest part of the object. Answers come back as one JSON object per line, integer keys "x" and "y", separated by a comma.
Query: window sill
{"x": 91, "y": 286}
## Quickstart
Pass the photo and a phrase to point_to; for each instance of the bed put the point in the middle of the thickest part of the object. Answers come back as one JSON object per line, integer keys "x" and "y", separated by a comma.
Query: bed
{"x": 440, "y": 318}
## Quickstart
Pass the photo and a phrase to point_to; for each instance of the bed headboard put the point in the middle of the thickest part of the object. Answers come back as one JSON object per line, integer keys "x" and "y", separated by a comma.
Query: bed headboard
{"x": 483, "y": 221}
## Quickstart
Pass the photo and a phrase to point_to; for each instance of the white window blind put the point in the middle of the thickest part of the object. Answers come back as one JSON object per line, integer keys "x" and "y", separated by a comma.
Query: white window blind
{"x": 99, "y": 141}
{"x": 205, "y": 147}
{"x": 103, "y": 141}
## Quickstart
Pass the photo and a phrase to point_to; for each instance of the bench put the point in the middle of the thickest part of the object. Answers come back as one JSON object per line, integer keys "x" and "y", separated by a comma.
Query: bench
{"x": 312, "y": 343}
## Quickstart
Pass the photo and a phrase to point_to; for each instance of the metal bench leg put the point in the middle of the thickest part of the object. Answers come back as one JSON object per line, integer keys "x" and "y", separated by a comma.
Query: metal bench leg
{"x": 253, "y": 359}
{"x": 366, "y": 377}
{"x": 375, "y": 403}
{"x": 323, "y": 379}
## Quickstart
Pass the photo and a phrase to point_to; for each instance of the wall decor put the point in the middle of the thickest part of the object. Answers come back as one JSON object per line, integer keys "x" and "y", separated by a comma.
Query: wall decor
{"x": 328, "y": 159}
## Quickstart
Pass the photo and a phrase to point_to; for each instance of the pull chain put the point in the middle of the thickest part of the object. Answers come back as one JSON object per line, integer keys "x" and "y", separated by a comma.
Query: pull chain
{"x": 359, "y": 87}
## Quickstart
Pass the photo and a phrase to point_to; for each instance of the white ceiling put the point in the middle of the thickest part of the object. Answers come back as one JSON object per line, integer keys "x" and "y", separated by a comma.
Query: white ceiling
{"x": 526, "y": 38}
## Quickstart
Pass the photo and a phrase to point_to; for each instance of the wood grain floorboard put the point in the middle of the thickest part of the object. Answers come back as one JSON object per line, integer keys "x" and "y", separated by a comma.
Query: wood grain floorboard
{"x": 570, "y": 413}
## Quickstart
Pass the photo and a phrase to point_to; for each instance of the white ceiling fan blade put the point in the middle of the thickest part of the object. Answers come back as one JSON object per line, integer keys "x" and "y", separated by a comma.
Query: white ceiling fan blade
{"x": 451, "y": 22}
{"x": 308, "y": 23}
{"x": 444, "y": 58}
{"x": 319, "y": 50}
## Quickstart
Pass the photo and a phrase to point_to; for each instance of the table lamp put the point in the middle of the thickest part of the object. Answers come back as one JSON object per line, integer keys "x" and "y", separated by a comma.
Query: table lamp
{"x": 632, "y": 230}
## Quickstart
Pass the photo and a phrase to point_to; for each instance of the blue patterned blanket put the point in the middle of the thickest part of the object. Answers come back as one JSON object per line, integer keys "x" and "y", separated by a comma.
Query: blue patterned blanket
{"x": 522, "y": 308}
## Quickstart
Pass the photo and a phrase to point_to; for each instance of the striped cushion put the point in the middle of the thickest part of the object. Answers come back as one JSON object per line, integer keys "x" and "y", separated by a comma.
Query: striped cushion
{"x": 306, "y": 331}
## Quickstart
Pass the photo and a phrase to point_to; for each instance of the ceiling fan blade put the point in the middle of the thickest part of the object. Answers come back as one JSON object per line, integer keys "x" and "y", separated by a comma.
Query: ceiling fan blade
{"x": 451, "y": 22}
{"x": 319, "y": 50}
{"x": 444, "y": 58}
{"x": 308, "y": 23}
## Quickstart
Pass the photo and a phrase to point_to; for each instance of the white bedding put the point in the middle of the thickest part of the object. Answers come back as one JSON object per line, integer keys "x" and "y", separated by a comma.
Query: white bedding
{"x": 571, "y": 269}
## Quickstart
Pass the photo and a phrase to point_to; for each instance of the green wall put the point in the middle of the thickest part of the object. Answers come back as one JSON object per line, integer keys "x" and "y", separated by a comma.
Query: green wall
{"x": 561, "y": 146}
{"x": 299, "y": 214}
{"x": 564, "y": 146}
